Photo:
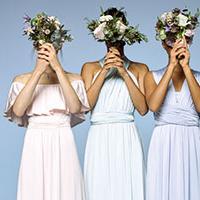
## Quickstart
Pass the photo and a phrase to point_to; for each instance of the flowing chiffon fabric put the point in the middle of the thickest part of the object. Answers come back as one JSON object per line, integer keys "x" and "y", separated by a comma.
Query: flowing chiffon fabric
{"x": 114, "y": 168}
{"x": 173, "y": 171}
{"x": 49, "y": 167}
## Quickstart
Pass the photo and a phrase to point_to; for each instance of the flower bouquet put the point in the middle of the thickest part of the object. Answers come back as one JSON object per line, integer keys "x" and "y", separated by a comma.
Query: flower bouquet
{"x": 176, "y": 24}
{"x": 112, "y": 29}
{"x": 45, "y": 29}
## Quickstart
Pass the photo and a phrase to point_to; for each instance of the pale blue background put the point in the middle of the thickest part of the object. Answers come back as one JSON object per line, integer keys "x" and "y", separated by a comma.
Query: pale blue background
{"x": 16, "y": 57}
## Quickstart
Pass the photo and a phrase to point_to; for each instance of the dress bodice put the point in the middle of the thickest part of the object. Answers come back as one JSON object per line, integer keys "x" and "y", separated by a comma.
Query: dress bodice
{"x": 178, "y": 107}
{"x": 47, "y": 100}
{"x": 114, "y": 96}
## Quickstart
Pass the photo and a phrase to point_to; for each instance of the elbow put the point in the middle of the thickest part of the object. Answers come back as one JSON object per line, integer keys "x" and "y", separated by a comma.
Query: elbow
{"x": 198, "y": 109}
{"x": 144, "y": 111}
{"x": 75, "y": 110}
{"x": 153, "y": 108}
{"x": 17, "y": 112}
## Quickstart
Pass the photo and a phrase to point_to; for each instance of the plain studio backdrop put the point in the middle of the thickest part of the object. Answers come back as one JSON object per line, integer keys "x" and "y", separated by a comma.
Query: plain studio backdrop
{"x": 16, "y": 57}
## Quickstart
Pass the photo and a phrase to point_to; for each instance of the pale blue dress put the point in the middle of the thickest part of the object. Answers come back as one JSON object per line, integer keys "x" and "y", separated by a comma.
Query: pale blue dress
{"x": 114, "y": 168}
{"x": 173, "y": 171}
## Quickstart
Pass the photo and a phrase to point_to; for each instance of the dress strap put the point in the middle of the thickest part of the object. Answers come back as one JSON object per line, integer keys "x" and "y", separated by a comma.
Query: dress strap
{"x": 158, "y": 74}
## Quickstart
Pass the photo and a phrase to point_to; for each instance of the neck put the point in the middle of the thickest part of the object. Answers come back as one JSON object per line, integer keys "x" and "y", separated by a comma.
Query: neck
{"x": 49, "y": 70}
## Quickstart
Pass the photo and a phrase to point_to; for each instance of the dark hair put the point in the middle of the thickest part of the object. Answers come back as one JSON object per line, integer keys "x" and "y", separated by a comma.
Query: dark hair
{"x": 117, "y": 13}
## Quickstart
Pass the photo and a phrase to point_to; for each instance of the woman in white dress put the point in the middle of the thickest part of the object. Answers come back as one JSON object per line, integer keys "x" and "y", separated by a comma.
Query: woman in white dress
{"x": 173, "y": 94}
{"x": 114, "y": 168}
{"x": 46, "y": 102}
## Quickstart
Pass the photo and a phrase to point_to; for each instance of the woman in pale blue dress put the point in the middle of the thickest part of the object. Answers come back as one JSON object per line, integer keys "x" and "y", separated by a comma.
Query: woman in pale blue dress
{"x": 114, "y": 168}
{"x": 173, "y": 94}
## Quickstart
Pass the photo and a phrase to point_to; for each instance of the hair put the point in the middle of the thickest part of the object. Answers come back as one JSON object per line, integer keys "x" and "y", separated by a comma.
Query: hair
{"x": 117, "y": 13}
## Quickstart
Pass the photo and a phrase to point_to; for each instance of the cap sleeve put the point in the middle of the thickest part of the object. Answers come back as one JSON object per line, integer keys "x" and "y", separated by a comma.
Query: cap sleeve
{"x": 8, "y": 112}
{"x": 79, "y": 87}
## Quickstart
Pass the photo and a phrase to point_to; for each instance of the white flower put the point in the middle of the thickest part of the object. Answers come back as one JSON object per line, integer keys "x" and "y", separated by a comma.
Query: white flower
{"x": 182, "y": 20}
{"x": 189, "y": 33}
{"x": 163, "y": 17}
{"x": 99, "y": 31}
{"x": 41, "y": 42}
{"x": 105, "y": 18}
{"x": 29, "y": 30}
{"x": 121, "y": 26}
{"x": 47, "y": 31}
{"x": 52, "y": 18}
{"x": 57, "y": 24}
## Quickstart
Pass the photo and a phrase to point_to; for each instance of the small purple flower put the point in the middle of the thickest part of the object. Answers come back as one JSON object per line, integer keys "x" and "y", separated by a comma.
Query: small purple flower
{"x": 26, "y": 18}
{"x": 167, "y": 28}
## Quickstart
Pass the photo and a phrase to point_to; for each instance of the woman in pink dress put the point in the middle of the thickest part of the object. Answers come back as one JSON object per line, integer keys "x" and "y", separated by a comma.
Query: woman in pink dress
{"x": 48, "y": 101}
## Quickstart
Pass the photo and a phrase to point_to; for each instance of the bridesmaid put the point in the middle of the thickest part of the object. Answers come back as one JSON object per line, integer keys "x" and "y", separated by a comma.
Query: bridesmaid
{"x": 173, "y": 94}
{"x": 114, "y": 168}
{"x": 47, "y": 100}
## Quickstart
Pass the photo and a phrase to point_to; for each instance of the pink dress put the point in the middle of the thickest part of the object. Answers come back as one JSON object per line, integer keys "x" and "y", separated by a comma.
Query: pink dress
{"x": 50, "y": 168}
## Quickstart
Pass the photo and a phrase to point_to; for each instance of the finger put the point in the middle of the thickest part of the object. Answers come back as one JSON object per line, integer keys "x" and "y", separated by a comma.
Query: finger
{"x": 119, "y": 64}
{"x": 42, "y": 52}
{"x": 181, "y": 56}
{"x": 47, "y": 47}
{"x": 179, "y": 47}
{"x": 43, "y": 57}
{"x": 180, "y": 52}
{"x": 177, "y": 41}
{"x": 113, "y": 60}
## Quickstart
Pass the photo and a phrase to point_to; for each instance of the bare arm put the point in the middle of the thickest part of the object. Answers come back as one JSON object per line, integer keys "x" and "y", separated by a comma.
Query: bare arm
{"x": 24, "y": 99}
{"x": 193, "y": 85}
{"x": 155, "y": 94}
{"x": 71, "y": 99}
{"x": 93, "y": 89}
{"x": 87, "y": 73}
{"x": 137, "y": 94}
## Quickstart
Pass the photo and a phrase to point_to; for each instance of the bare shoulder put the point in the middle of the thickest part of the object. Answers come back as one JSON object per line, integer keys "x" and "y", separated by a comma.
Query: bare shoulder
{"x": 22, "y": 78}
{"x": 149, "y": 77}
{"x": 73, "y": 76}
{"x": 139, "y": 67}
{"x": 91, "y": 66}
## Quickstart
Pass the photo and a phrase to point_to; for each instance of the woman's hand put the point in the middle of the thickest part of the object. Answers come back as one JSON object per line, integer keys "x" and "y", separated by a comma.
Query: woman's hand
{"x": 48, "y": 53}
{"x": 113, "y": 60}
{"x": 184, "y": 57}
{"x": 41, "y": 66}
{"x": 175, "y": 52}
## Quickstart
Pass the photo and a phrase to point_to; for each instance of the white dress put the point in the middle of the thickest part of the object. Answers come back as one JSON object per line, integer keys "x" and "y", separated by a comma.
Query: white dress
{"x": 173, "y": 171}
{"x": 49, "y": 167}
{"x": 114, "y": 167}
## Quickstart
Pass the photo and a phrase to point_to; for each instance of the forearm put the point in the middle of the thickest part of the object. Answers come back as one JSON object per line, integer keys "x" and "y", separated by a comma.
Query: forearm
{"x": 71, "y": 99}
{"x": 25, "y": 97}
{"x": 157, "y": 97}
{"x": 193, "y": 87}
{"x": 94, "y": 90}
{"x": 136, "y": 95}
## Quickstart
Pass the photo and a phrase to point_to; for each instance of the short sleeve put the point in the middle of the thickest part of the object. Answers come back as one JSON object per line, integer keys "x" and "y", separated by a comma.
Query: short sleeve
{"x": 8, "y": 112}
{"x": 79, "y": 87}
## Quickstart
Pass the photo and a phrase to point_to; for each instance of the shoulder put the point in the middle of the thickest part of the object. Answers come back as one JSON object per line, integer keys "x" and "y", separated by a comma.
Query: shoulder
{"x": 73, "y": 76}
{"x": 139, "y": 68}
{"x": 91, "y": 66}
{"x": 22, "y": 78}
